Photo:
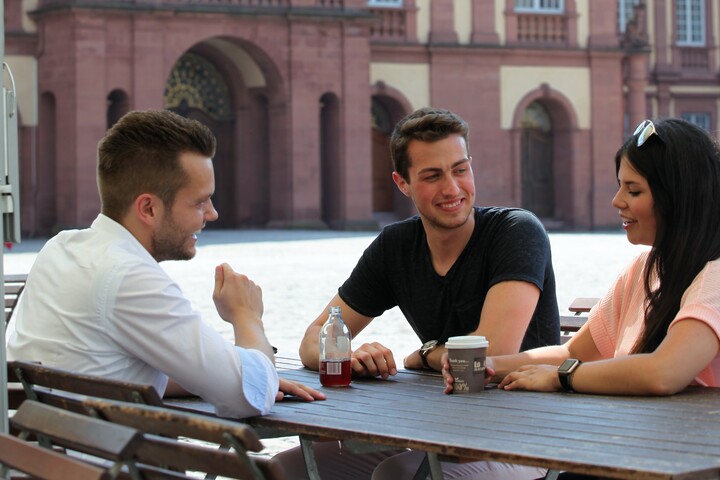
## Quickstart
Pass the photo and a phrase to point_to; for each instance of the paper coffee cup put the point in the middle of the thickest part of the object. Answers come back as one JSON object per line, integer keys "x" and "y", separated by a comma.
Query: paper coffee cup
{"x": 467, "y": 362}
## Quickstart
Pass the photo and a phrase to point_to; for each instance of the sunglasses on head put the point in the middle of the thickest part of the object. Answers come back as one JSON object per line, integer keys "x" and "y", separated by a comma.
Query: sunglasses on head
{"x": 644, "y": 131}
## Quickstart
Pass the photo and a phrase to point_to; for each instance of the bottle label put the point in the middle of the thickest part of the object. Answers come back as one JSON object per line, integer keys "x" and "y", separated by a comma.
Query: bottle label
{"x": 335, "y": 373}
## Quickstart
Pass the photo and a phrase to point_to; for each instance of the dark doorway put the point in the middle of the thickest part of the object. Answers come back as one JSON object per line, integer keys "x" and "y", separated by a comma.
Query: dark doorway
{"x": 197, "y": 90}
{"x": 538, "y": 186}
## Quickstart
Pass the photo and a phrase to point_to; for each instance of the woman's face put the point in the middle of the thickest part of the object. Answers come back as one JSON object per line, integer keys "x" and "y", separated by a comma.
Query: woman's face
{"x": 635, "y": 203}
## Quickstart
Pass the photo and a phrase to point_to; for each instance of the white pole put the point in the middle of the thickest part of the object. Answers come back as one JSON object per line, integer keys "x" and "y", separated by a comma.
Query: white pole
{"x": 3, "y": 358}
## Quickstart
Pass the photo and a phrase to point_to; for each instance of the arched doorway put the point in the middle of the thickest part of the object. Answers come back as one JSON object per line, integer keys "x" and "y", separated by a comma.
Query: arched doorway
{"x": 117, "y": 106}
{"x": 388, "y": 203}
{"x": 330, "y": 186}
{"x": 196, "y": 89}
{"x": 538, "y": 189}
{"x": 382, "y": 185}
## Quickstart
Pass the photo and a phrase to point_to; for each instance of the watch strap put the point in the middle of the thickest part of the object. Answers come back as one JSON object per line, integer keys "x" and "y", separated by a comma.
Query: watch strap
{"x": 425, "y": 363}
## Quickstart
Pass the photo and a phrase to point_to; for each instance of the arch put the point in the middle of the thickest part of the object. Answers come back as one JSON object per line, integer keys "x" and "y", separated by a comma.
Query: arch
{"x": 197, "y": 89}
{"x": 331, "y": 198}
{"x": 388, "y": 106}
{"x": 559, "y": 144}
{"x": 245, "y": 109}
{"x": 118, "y": 104}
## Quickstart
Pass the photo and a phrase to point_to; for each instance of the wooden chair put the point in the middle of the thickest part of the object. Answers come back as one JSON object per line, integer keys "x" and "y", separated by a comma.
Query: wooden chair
{"x": 163, "y": 428}
{"x": 54, "y": 426}
{"x": 67, "y": 389}
{"x": 40, "y": 463}
{"x": 82, "y": 394}
{"x": 569, "y": 324}
{"x": 14, "y": 285}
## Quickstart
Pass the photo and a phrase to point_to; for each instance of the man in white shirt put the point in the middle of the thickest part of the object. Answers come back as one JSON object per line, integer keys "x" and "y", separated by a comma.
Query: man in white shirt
{"x": 97, "y": 301}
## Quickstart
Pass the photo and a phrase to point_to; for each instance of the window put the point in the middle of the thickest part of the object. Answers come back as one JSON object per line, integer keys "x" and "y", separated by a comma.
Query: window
{"x": 385, "y": 3}
{"x": 701, "y": 119}
{"x": 540, "y": 6}
{"x": 626, "y": 12}
{"x": 690, "y": 22}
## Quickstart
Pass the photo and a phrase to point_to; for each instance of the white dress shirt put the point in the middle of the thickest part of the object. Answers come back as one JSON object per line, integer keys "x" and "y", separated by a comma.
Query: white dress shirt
{"x": 96, "y": 302}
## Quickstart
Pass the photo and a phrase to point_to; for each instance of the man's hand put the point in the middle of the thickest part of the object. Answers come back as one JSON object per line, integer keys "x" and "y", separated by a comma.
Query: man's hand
{"x": 373, "y": 360}
{"x": 449, "y": 379}
{"x": 239, "y": 302}
{"x": 299, "y": 390}
{"x": 236, "y": 296}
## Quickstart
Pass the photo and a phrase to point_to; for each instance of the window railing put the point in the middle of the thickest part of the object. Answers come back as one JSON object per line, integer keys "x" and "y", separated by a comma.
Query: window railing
{"x": 392, "y": 26}
{"x": 694, "y": 59}
{"x": 542, "y": 29}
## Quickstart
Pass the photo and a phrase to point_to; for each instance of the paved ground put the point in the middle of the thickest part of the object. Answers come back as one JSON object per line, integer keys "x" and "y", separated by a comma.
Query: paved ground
{"x": 300, "y": 271}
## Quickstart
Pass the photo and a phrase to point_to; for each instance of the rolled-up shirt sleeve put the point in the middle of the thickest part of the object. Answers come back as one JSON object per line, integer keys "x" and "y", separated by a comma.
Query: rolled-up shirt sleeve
{"x": 260, "y": 381}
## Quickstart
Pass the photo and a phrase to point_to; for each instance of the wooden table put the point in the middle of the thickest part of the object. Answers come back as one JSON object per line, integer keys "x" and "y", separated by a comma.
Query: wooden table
{"x": 621, "y": 437}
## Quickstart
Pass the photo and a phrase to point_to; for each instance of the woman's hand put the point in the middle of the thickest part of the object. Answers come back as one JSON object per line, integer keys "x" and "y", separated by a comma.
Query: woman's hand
{"x": 539, "y": 378}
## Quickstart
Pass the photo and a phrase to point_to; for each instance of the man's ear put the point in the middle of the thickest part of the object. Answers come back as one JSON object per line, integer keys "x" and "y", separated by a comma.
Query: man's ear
{"x": 146, "y": 207}
{"x": 401, "y": 183}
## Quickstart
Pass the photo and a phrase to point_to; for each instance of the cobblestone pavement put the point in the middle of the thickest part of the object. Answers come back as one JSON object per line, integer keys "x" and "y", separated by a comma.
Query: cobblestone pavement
{"x": 299, "y": 271}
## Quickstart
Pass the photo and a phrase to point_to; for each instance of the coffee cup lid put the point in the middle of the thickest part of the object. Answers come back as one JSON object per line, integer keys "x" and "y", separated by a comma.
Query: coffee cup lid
{"x": 467, "y": 341}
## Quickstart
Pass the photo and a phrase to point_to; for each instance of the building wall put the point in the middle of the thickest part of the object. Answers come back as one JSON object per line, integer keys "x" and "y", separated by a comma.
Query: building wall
{"x": 334, "y": 61}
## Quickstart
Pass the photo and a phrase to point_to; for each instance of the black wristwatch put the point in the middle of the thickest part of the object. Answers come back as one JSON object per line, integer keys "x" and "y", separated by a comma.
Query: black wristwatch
{"x": 565, "y": 373}
{"x": 425, "y": 350}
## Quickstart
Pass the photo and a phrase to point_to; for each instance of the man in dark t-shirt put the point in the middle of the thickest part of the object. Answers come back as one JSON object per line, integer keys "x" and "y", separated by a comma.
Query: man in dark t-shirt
{"x": 455, "y": 269}
{"x": 506, "y": 244}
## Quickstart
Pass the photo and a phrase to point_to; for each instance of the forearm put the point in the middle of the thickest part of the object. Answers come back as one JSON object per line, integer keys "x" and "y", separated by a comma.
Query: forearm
{"x": 309, "y": 348}
{"x": 252, "y": 335}
{"x": 551, "y": 355}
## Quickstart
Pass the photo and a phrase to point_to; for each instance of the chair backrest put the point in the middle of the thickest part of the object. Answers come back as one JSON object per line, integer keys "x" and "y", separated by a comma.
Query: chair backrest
{"x": 112, "y": 446}
{"x": 44, "y": 464}
{"x": 66, "y": 389}
{"x": 14, "y": 285}
{"x": 163, "y": 427}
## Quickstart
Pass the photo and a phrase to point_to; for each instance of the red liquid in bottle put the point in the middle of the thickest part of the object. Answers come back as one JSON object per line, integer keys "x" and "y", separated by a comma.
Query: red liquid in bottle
{"x": 335, "y": 373}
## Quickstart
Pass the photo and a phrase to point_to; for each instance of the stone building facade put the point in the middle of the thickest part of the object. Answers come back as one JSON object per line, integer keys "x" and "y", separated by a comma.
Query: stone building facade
{"x": 302, "y": 95}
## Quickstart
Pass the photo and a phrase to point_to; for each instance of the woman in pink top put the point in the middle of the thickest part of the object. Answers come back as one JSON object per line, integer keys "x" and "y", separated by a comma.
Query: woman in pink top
{"x": 657, "y": 330}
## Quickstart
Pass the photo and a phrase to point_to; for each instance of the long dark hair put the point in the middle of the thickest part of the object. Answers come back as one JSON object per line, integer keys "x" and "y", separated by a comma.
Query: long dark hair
{"x": 682, "y": 166}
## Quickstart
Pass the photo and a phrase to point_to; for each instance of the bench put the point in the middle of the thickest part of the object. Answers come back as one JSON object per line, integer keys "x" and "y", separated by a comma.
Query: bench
{"x": 570, "y": 324}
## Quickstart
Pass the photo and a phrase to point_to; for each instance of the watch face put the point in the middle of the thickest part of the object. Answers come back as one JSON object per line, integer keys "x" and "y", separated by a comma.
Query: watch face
{"x": 428, "y": 346}
{"x": 568, "y": 365}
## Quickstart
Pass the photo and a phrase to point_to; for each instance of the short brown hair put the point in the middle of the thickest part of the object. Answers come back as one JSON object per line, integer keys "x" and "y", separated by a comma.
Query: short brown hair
{"x": 140, "y": 154}
{"x": 427, "y": 125}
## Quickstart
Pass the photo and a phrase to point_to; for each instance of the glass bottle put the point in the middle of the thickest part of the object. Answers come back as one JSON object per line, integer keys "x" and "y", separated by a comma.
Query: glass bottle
{"x": 335, "y": 369}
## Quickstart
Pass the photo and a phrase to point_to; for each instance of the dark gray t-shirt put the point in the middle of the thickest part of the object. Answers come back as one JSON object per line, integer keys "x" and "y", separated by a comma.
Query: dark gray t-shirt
{"x": 506, "y": 244}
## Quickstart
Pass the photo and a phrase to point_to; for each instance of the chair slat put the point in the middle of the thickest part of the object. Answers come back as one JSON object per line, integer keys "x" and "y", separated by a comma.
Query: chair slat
{"x": 45, "y": 464}
{"x": 77, "y": 432}
{"x": 35, "y": 374}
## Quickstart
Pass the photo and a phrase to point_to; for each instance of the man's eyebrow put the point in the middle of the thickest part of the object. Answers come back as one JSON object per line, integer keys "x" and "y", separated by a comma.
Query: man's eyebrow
{"x": 437, "y": 169}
